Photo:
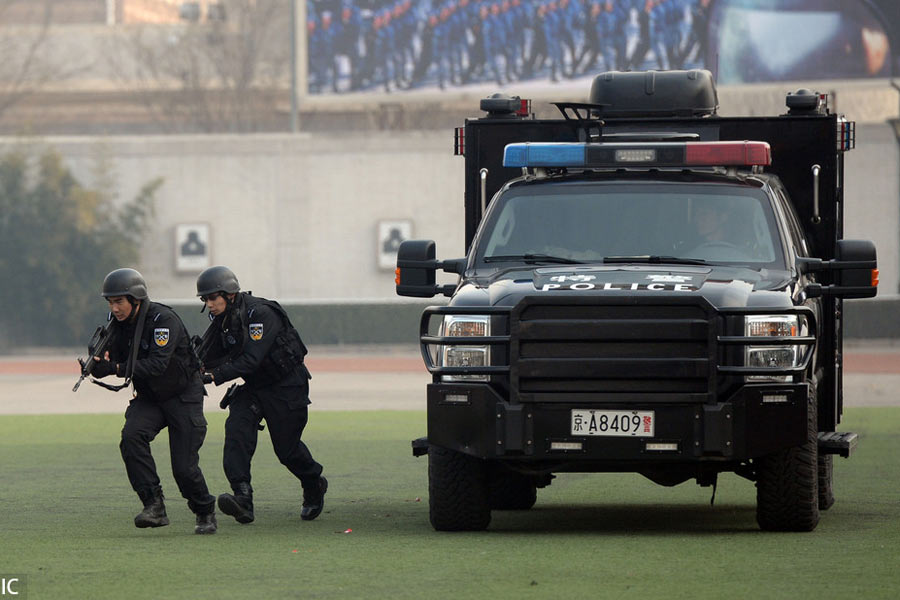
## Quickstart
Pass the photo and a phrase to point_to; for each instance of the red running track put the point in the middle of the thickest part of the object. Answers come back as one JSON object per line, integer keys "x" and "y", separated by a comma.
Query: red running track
{"x": 887, "y": 362}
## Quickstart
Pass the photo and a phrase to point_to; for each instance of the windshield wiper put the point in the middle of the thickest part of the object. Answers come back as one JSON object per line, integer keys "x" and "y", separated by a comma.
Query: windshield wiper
{"x": 654, "y": 260}
{"x": 533, "y": 258}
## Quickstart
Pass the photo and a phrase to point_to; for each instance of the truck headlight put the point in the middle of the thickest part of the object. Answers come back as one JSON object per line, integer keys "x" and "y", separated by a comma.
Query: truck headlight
{"x": 465, "y": 356}
{"x": 776, "y": 357}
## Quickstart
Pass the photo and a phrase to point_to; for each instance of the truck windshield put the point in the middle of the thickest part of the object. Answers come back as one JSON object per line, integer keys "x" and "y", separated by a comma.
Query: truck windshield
{"x": 595, "y": 222}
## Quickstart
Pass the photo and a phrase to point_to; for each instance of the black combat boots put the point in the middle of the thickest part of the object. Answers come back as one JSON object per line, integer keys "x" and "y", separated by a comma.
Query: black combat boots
{"x": 240, "y": 505}
{"x": 314, "y": 500}
{"x": 154, "y": 513}
{"x": 206, "y": 523}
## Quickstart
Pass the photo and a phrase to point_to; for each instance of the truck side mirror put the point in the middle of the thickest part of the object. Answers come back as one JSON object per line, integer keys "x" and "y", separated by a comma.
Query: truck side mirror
{"x": 416, "y": 266}
{"x": 855, "y": 269}
{"x": 857, "y": 275}
{"x": 415, "y": 269}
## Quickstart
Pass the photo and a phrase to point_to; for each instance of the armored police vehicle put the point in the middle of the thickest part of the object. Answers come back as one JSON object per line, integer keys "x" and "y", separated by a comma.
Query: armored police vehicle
{"x": 648, "y": 288}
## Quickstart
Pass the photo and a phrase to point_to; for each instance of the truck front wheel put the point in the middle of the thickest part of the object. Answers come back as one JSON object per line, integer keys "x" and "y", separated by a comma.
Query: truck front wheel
{"x": 787, "y": 490}
{"x": 457, "y": 491}
{"x": 826, "y": 481}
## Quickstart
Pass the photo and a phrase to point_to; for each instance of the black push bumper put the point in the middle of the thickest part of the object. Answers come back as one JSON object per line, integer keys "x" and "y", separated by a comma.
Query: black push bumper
{"x": 756, "y": 420}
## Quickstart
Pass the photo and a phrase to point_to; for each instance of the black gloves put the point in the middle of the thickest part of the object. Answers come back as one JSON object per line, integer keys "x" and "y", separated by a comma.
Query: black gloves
{"x": 207, "y": 377}
{"x": 104, "y": 368}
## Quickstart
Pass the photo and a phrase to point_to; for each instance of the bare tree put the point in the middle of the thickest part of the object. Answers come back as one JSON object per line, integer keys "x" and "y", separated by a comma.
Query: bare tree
{"x": 224, "y": 73}
{"x": 24, "y": 67}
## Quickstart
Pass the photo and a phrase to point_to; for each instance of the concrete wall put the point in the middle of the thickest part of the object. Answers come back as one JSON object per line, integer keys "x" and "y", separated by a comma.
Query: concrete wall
{"x": 294, "y": 216}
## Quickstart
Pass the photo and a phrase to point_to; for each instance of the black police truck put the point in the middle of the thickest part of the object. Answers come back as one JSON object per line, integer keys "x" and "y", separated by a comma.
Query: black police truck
{"x": 648, "y": 288}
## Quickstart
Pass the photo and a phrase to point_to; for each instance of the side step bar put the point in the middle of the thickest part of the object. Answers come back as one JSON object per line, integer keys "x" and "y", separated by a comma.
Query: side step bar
{"x": 834, "y": 442}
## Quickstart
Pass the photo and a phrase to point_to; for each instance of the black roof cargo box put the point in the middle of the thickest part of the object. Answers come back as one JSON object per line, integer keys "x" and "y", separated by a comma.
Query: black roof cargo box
{"x": 655, "y": 93}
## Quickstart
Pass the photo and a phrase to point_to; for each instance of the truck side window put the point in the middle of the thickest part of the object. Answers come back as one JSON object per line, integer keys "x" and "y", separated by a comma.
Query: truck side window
{"x": 798, "y": 239}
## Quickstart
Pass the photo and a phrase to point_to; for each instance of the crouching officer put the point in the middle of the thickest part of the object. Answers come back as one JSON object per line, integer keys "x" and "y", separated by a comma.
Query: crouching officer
{"x": 150, "y": 347}
{"x": 253, "y": 338}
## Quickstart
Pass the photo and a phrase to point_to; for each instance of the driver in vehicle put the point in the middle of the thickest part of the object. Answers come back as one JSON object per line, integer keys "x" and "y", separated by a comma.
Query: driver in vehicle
{"x": 714, "y": 240}
{"x": 709, "y": 222}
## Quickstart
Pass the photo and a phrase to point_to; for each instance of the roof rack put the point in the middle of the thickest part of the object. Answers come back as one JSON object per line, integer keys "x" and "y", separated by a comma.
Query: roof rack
{"x": 572, "y": 111}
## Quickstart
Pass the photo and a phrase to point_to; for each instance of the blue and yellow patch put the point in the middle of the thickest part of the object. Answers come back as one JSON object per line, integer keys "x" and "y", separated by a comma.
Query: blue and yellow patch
{"x": 256, "y": 331}
{"x": 161, "y": 336}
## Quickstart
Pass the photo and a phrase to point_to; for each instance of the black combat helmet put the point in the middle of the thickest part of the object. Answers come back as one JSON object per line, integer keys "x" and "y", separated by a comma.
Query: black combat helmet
{"x": 217, "y": 279}
{"x": 125, "y": 282}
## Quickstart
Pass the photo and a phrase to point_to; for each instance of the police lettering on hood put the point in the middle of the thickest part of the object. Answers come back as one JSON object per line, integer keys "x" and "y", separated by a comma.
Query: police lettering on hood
{"x": 613, "y": 282}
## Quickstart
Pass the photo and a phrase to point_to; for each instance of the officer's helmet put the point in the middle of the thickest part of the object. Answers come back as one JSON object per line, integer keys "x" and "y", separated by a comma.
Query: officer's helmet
{"x": 217, "y": 279}
{"x": 125, "y": 282}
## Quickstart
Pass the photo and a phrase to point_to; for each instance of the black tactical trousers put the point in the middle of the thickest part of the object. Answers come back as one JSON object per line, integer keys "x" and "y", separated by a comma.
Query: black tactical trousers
{"x": 187, "y": 430}
{"x": 285, "y": 411}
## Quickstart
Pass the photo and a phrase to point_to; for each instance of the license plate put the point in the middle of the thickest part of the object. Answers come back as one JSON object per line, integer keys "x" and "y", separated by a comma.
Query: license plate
{"x": 615, "y": 423}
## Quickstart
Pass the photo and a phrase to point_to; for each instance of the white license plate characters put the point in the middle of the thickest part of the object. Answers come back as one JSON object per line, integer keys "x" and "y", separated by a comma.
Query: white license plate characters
{"x": 614, "y": 423}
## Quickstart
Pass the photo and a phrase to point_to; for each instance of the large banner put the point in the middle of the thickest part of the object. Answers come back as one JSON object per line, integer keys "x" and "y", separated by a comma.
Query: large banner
{"x": 400, "y": 45}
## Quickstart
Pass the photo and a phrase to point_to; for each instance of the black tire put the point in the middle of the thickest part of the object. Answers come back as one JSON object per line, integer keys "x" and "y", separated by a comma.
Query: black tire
{"x": 457, "y": 491}
{"x": 787, "y": 490}
{"x": 509, "y": 490}
{"x": 826, "y": 481}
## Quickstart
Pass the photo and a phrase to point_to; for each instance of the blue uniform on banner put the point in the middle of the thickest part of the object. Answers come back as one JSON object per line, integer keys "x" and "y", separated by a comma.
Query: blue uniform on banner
{"x": 658, "y": 22}
{"x": 439, "y": 44}
{"x": 457, "y": 41}
{"x": 314, "y": 61}
{"x": 348, "y": 44}
{"x": 402, "y": 44}
{"x": 493, "y": 37}
{"x": 384, "y": 48}
{"x": 547, "y": 12}
{"x": 621, "y": 15}
{"x": 606, "y": 33}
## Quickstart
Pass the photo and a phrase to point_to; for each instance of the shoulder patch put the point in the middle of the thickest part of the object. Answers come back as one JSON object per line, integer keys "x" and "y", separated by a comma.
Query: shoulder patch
{"x": 256, "y": 331}
{"x": 161, "y": 336}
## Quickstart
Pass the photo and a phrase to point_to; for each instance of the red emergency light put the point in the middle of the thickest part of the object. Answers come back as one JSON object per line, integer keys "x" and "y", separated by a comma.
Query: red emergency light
{"x": 728, "y": 154}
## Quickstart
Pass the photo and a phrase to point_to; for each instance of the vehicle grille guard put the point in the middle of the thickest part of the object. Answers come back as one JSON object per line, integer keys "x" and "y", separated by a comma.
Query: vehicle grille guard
{"x": 427, "y": 341}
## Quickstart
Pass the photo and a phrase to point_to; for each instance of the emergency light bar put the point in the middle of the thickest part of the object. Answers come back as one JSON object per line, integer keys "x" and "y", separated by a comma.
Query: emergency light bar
{"x": 657, "y": 154}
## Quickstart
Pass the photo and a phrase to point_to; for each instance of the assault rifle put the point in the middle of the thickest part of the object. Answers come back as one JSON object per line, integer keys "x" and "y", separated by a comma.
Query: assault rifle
{"x": 98, "y": 346}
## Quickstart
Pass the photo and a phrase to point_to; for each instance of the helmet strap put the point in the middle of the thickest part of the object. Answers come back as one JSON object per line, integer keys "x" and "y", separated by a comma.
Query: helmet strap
{"x": 135, "y": 307}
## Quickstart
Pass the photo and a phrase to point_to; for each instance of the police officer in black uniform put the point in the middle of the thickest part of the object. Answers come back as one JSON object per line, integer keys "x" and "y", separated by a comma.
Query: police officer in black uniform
{"x": 253, "y": 338}
{"x": 151, "y": 348}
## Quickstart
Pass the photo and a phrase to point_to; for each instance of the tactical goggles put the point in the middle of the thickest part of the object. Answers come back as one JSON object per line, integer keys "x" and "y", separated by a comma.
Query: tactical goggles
{"x": 213, "y": 296}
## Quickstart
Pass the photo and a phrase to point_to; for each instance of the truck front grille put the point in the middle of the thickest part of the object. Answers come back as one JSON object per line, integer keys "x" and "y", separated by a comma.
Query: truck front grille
{"x": 603, "y": 349}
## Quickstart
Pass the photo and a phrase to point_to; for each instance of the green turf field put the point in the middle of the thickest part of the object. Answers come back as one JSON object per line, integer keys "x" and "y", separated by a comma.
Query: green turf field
{"x": 66, "y": 523}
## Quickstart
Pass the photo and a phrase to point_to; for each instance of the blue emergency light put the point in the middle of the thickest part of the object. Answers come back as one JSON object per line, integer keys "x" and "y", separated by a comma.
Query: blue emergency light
{"x": 625, "y": 154}
{"x": 548, "y": 154}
